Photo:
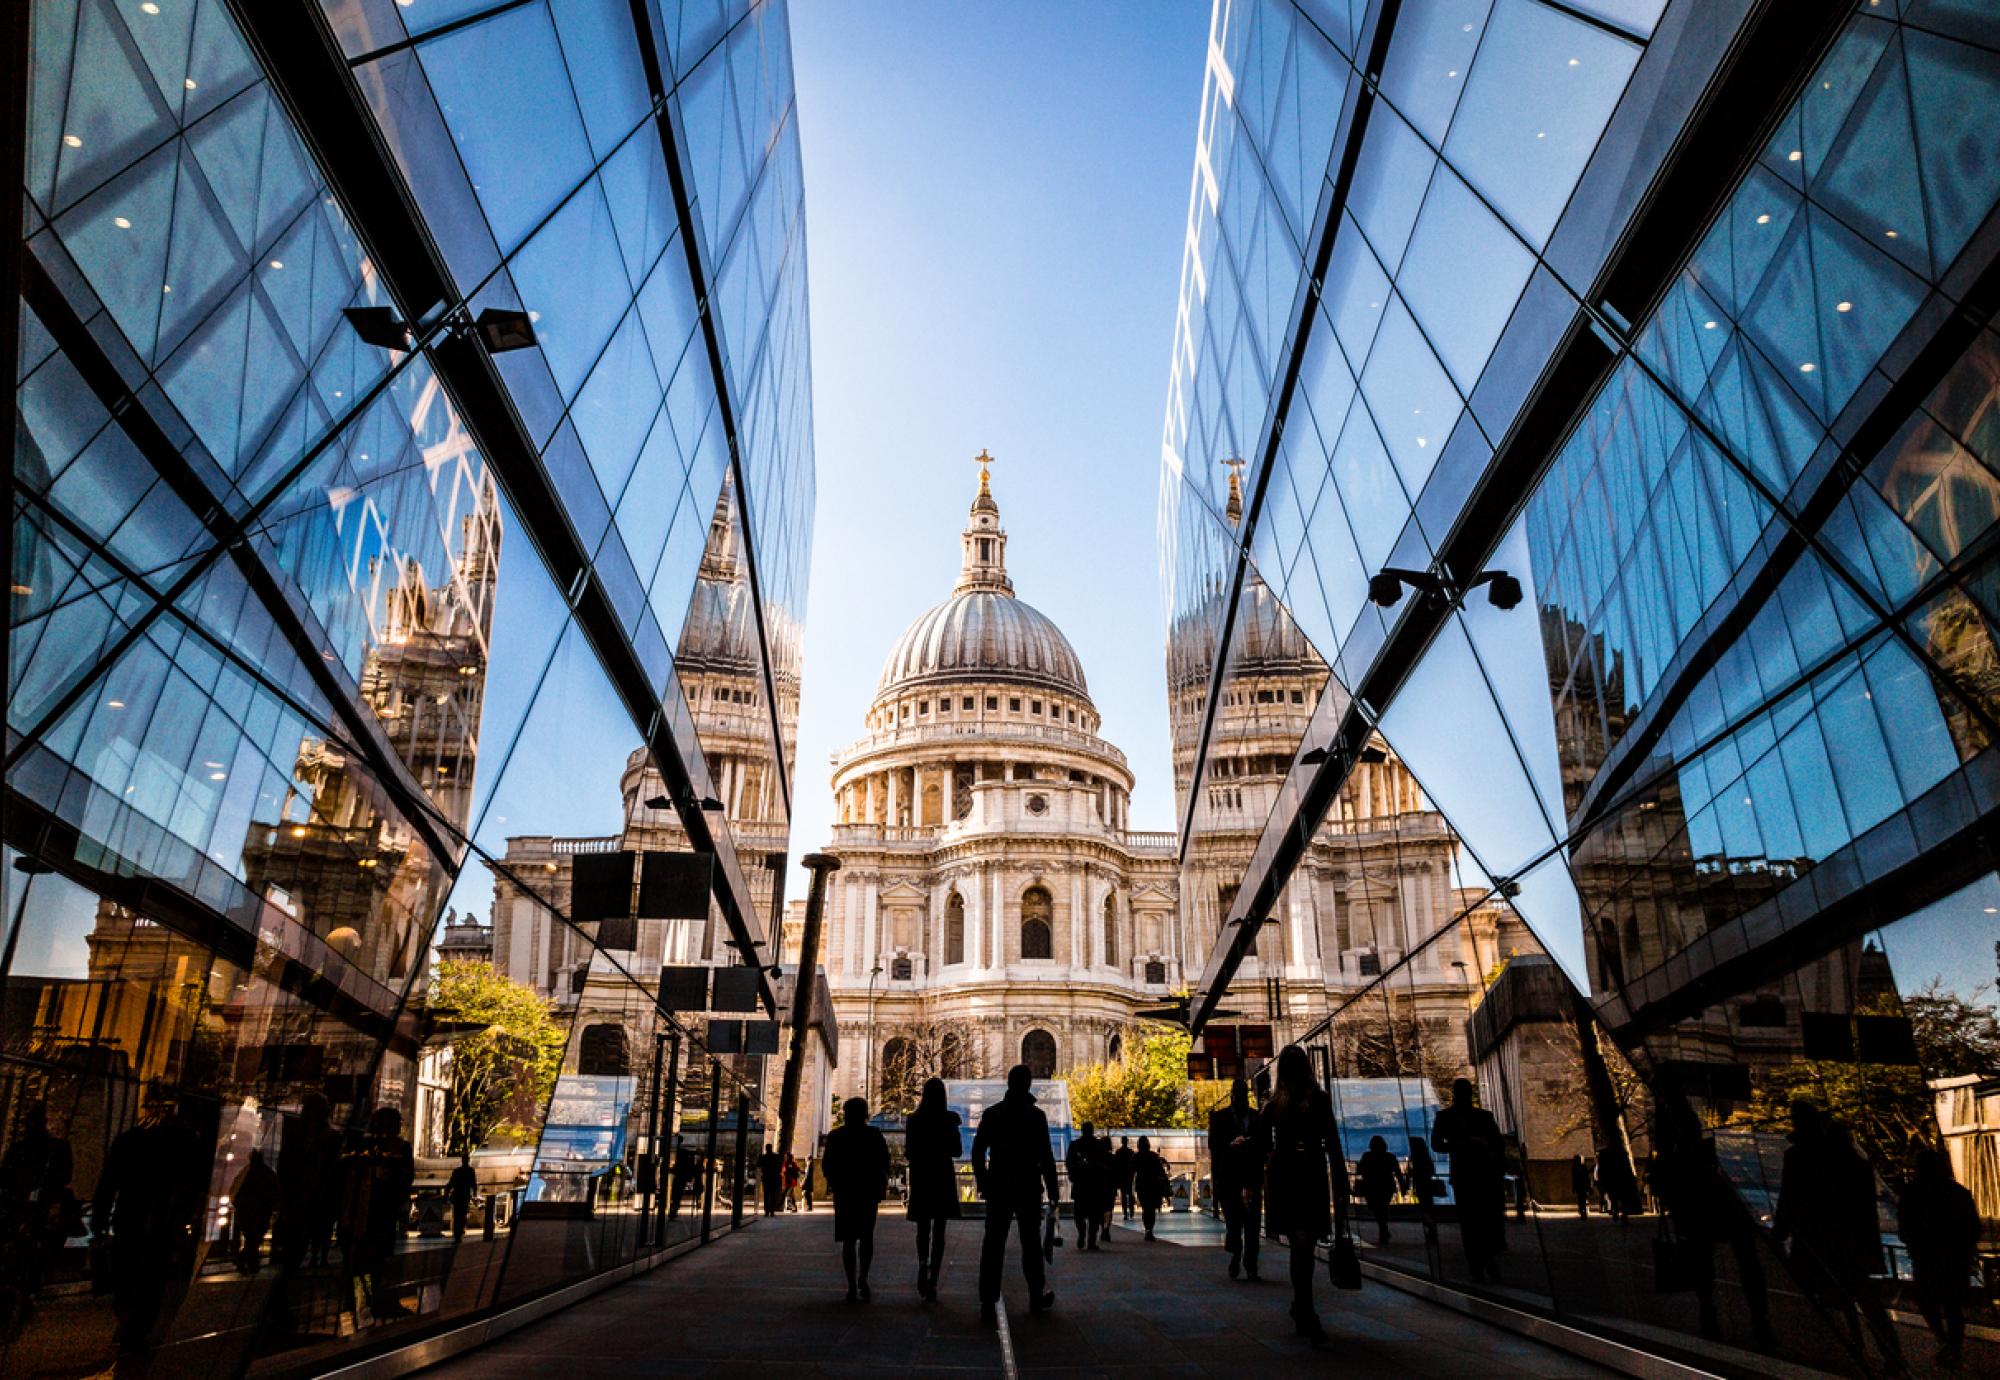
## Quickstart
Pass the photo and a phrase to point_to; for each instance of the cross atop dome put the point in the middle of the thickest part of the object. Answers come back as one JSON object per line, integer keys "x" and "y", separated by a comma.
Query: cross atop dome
{"x": 985, "y": 564}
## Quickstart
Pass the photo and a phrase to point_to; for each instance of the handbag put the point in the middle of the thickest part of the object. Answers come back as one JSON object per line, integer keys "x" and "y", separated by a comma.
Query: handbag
{"x": 1343, "y": 1262}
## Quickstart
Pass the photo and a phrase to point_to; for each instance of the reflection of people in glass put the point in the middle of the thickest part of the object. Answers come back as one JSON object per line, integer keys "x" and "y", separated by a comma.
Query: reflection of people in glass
{"x": 1939, "y": 1224}
{"x": 308, "y": 1183}
{"x": 1469, "y": 1134}
{"x": 771, "y": 1179}
{"x": 251, "y": 1203}
{"x": 686, "y": 1170}
{"x": 857, "y": 1170}
{"x": 1579, "y": 1184}
{"x": 149, "y": 1197}
{"x": 931, "y": 1143}
{"x": 37, "y": 1211}
{"x": 1380, "y": 1177}
{"x": 460, "y": 1188}
{"x": 1827, "y": 1210}
{"x": 376, "y": 1180}
{"x": 1297, "y": 1124}
{"x": 1236, "y": 1169}
{"x": 1704, "y": 1212}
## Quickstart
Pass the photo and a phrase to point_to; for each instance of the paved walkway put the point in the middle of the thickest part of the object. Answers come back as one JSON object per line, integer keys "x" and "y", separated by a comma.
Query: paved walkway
{"x": 769, "y": 1301}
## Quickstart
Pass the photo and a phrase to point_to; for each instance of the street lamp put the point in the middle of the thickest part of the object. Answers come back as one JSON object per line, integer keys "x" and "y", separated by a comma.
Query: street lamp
{"x": 1386, "y": 588}
{"x": 868, "y": 1050}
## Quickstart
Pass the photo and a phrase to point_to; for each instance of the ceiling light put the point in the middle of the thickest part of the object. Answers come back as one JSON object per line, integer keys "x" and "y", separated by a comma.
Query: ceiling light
{"x": 1843, "y": 306}
{"x": 1806, "y": 368}
{"x": 1890, "y": 233}
{"x": 277, "y": 263}
{"x": 73, "y": 141}
{"x": 1764, "y": 219}
{"x": 298, "y": 831}
{"x": 166, "y": 287}
{"x": 1465, "y": 28}
{"x": 1452, "y": 73}
{"x": 218, "y": 776}
{"x": 1575, "y": 62}
{"x": 1794, "y": 156}
{"x": 188, "y": 82}
{"x": 121, "y": 222}
{"x": 1541, "y": 134}
{"x": 149, "y": 8}
{"x": 115, "y": 704}
{"x": 1708, "y": 325}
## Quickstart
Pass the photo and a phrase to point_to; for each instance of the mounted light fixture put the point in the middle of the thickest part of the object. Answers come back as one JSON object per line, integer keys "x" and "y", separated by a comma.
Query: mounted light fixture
{"x": 1312, "y": 757}
{"x": 379, "y": 326}
{"x": 707, "y": 802}
{"x": 1386, "y": 588}
{"x": 504, "y": 329}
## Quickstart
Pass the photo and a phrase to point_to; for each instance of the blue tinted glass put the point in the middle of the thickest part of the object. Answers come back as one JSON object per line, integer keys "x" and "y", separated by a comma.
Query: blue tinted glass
{"x": 1428, "y": 60}
{"x": 1389, "y": 184}
{"x": 1462, "y": 275}
{"x": 1413, "y": 401}
{"x": 1542, "y": 87}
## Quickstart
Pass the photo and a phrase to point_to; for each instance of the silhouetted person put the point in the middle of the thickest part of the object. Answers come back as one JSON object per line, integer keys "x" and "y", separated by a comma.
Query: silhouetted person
{"x": 931, "y": 1144}
{"x": 792, "y": 1175}
{"x": 1939, "y": 1224}
{"x": 806, "y": 1183}
{"x": 1089, "y": 1186}
{"x": 37, "y": 1208}
{"x": 1616, "y": 1181}
{"x": 150, "y": 1195}
{"x": 1149, "y": 1175}
{"x": 686, "y": 1172}
{"x": 1425, "y": 1187}
{"x": 1703, "y": 1211}
{"x": 1297, "y": 1123}
{"x": 252, "y": 1202}
{"x": 1121, "y": 1175}
{"x": 308, "y": 1183}
{"x": 771, "y": 1179}
{"x": 1468, "y": 1133}
{"x": 376, "y": 1179}
{"x": 1236, "y": 1174}
{"x": 1579, "y": 1184}
{"x": 1380, "y": 1177}
{"x": 1012, "y": 1161}
{"x": 1827, "y": 1210}
{"x": 857, "y": 1173}
{"x": 461, "y": 1188}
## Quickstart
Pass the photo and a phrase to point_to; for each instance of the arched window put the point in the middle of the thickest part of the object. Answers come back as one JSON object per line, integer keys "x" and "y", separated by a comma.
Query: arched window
{"x": 1038, "y": 1052}
{"x": 1115, "y": 1050}
{"x": 1037, "y": 924}
{"x": 1111, "y": 929}
{"x": 954, "y": 928}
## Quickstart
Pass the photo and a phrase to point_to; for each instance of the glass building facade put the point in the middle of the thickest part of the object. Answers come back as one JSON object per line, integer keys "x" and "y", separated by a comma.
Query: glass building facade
{"x": 1680, "y": 315}
{"x": 386, "y": 379}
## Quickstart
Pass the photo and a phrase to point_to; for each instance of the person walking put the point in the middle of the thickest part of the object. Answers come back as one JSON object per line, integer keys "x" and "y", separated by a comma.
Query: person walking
{"x": 1236, "y": 1172}
{"x": 375, "y": 1182}
{"x": 1121, "y": 1174}
{"x": 931, "y": 1143}
{"x": 252, "y": 1203}
{"x": 857, "y": 1173}
{"x": 1380, "y": 1176}
{"x": 1580, "y": 1184}
{"x": 1012, "y": 1162}
{"x": 1468, "y": 1133}
{"x": 461, "y": 1188}
{"x": 771, "y": 1179}
{"x": 1297, "y": 1123}
{"x": 1149, "y": 1173}
{"x": 1088, "y": 1185}
{"x": 792, "y": 1176}
{"x": 1939, "y": 1224}
{"x": 806, "y": 1181}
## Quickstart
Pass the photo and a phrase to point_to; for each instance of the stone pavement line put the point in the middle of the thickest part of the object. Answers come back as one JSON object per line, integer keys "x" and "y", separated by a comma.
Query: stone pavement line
{"x": 1007, "y": 1366}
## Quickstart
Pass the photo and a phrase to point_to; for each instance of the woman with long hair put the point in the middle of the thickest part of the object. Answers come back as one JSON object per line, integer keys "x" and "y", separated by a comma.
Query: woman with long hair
{"x": 931, "y": 1143}
{"x": 1306, "y": 1159}
{"x": 856, "y": 1166}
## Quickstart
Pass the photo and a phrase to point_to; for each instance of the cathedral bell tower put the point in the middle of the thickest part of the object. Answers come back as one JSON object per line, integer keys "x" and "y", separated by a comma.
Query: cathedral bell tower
{"x": 984, "y": 568}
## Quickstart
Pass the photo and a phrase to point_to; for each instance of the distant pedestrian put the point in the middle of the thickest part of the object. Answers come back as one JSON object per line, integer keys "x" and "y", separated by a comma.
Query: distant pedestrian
{"x": 1121, "y": 1173}
{"x": 1380, "y": 1177}
{"x": 1236, "y": 1172}
{"x": 792, "y": 1175}
{"x": 1297, "y": 1122}
{"x": 1089, "y": 1186}
{"x": 460, "y": 1188}
{"x": 1149, "y": 1173}
{"x": 931, "y": 1144}
{"x": 1939, "y": 1224}
{"x": 1012, "y": 1161}
{"x": 1580, "y": 1184}
{"x": 806, "y": 1180}
{"x": 771, "y": 1179}
{"x": 857, "y": 1173}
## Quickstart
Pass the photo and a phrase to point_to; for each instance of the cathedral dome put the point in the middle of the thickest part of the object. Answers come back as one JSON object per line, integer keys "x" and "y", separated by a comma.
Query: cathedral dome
{"x": 983, "y": 635}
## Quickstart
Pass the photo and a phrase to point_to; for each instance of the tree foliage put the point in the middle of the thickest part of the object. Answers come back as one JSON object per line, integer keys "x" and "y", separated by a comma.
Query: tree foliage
{"x": 501, "y": 1076}
{"x": 915, "y": 1051}
{"x": 1147, "y": 1087}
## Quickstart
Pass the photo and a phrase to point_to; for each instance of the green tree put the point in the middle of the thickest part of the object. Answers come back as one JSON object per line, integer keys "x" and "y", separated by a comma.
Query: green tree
{"x": 1147, "y": 1086}
{"x": 504, "y": 1067}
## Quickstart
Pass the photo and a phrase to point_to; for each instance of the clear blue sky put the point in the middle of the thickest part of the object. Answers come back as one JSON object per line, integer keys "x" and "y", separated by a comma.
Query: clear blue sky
{"x": 996, "y": 197}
